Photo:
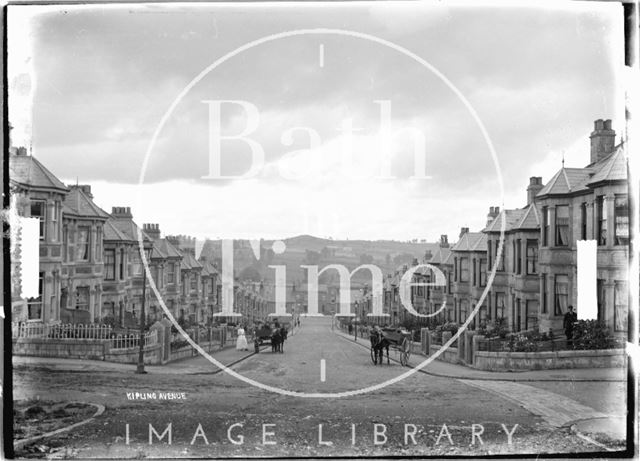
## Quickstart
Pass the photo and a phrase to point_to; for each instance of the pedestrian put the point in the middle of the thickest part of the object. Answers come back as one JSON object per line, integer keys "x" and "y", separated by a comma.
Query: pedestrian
{"x": 570, "y": 318}
{"x": 241, "y": 342}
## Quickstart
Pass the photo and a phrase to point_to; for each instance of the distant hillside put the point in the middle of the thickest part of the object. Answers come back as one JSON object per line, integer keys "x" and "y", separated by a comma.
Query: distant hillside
{"x": 307, "y": 249}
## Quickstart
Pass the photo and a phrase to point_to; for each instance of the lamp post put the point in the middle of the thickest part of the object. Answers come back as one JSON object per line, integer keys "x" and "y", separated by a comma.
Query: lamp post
{"x": 147, "y": 253}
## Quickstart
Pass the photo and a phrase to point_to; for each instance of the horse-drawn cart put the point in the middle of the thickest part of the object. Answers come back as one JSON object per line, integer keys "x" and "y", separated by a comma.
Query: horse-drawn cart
{"x": 390, "y": 338}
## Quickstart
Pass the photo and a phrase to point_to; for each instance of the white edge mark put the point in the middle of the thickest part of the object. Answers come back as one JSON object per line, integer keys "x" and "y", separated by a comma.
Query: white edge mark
{"x": 322, "y": 55}
{"x": 323, "y": 370}
{"x": 586, "y": 438}
{"x": 99, "y": 411}
{"x": 29, "y": 241}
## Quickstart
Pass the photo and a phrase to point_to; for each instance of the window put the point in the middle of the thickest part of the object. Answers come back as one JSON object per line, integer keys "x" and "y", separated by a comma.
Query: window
{"x": 211, "y": 287}
{"x": 620, "y": 303}
{"x": 518, "y": 256}
{"x": 601, "y": 220}
{"x": 121, "y": 265}
{"x": 38, "y": 211}
{"x": 513, "y": 255}
{"x": 82, "y": 298}
{"x": 55, "y": 222}
{"x": 532, "y": 257}
{"x": 449, "y": 283}
{"x": 602, "y": 300}
{"x": 463, "y": 310}
{"x": 194, "y": 282}
{"x": 65, "y": 243}
{"x": 500, "y": 267}
{"x": 583, "y": 221}
{"x": 136, "y": 262}
{"x": 110, "y": 264}
{"x": 455, "y": 268}
{"x": 82, "y": 243}
{"x": 34, "y": 305}
{"x": 562, "y": 225}
{"x": 483, "y": 272}
{"x": 561, "y": 294}
{"x": 171, "y": 273}
{"x": 500, "y": 305}
{"x": 546, "y": 215}
{"x": 464, "y": 269}
{"x": 475, "y": 271}
{"x": 489, "y": 255}
{"x": 545, "y": 308}
{"x": 621, "y": 220}
{"x": 531, "y": 314}
{"x": 98, "y": 242}
{"x": 517, "y": 318}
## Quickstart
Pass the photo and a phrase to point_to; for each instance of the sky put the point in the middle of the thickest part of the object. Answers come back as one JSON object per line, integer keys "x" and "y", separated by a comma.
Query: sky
{"x": 129, "y": 99}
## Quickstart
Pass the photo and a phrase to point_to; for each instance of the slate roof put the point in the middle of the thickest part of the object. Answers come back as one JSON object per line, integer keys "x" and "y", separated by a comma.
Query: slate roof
{"x": 611, "y": 168}
{"x": 112, "y": 234}
{"x": 471, "y": 241}
{"x": 567, "y": 180}
{"x": 189, "y": 262}
{"x": 28, "y": 171}
{"x": 511, "y": 217}
{"x": 78, "y": 203}
{"x": 208, "y": 268}
{"x": 530, "y": 218}
{"x": 440, "y": 255}
{"x": 129, "y": 229}
{"x": 165, "y": 247}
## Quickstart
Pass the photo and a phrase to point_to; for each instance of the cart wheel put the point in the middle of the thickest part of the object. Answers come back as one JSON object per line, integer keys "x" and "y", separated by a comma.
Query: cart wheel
{"x": 373, "y": 356}
{"x": 405, "y": 352}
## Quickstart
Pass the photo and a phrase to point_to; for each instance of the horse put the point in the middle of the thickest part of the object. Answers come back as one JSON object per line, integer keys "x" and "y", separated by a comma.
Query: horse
{"x": 276, "y": 340}
{"x": 379, "y": 343}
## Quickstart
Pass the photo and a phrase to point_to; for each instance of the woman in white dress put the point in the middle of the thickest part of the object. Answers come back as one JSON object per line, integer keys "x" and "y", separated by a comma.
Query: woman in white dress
{"x": 241, "y": 342}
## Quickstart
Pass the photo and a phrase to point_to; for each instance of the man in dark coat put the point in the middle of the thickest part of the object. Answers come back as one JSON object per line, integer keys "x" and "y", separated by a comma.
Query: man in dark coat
{"x": 570, "y": 318}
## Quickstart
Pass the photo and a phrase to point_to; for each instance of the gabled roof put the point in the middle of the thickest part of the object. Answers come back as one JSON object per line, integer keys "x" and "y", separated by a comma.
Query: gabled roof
{"x": 511, "y": 217}
{"x": 448, "y": 260}
{"x": 566, "y": 180}
{"x": 158, "y": 251}
{"x": 440, "y": 255}
{"x": 112, "y": 234}
{"x": 189, "y": 261}
{"x": 78, "y": 203}
{"x": 167, "y": 248}
{"x": 471, "y": 241}
{"x": 208, "y": 268}
{"x": 28, "y": 171}
{"x": 130, "y": 229}
{"x": 530, "y": 218}
{"x": 611, "y": 168}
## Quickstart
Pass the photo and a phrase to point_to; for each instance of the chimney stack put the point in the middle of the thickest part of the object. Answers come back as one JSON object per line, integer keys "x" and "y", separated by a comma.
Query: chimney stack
{"x": 86, "y": 188}
{"x": 152, "y": 230}
{"x": 444, "y": 241}
{"x": 121, "y": 212}
{"x": 535, "y": 186}
{"x": 603, "y": 140}
{"x": 493, "y": 214}
{"x": 463, "y": 230}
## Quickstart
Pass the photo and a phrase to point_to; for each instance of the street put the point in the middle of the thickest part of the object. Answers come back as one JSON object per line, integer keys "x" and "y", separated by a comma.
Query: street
{"x": 221, "y": 415}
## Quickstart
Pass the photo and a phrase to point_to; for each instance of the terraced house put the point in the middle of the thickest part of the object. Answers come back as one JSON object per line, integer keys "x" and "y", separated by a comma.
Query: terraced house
{"x": 89, "y": 265}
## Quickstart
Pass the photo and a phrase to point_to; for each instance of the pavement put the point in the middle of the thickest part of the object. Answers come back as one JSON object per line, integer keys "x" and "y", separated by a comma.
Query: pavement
{"x": 556, "y": 409}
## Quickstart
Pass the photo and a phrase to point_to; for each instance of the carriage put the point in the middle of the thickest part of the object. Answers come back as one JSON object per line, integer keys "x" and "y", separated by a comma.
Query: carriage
{"x": 263, "y": 334}
{"x": 397, "y": 339}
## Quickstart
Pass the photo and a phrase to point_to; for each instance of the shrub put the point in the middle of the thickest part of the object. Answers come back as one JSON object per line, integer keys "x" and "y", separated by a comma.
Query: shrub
{"x": 178, "y": 343}
{"x": 592, "y": 334}
{"x": 522, "y": 343}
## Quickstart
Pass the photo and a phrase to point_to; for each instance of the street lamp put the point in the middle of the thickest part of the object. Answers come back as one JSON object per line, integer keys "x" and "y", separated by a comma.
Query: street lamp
{"x": 148, "y": 246}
